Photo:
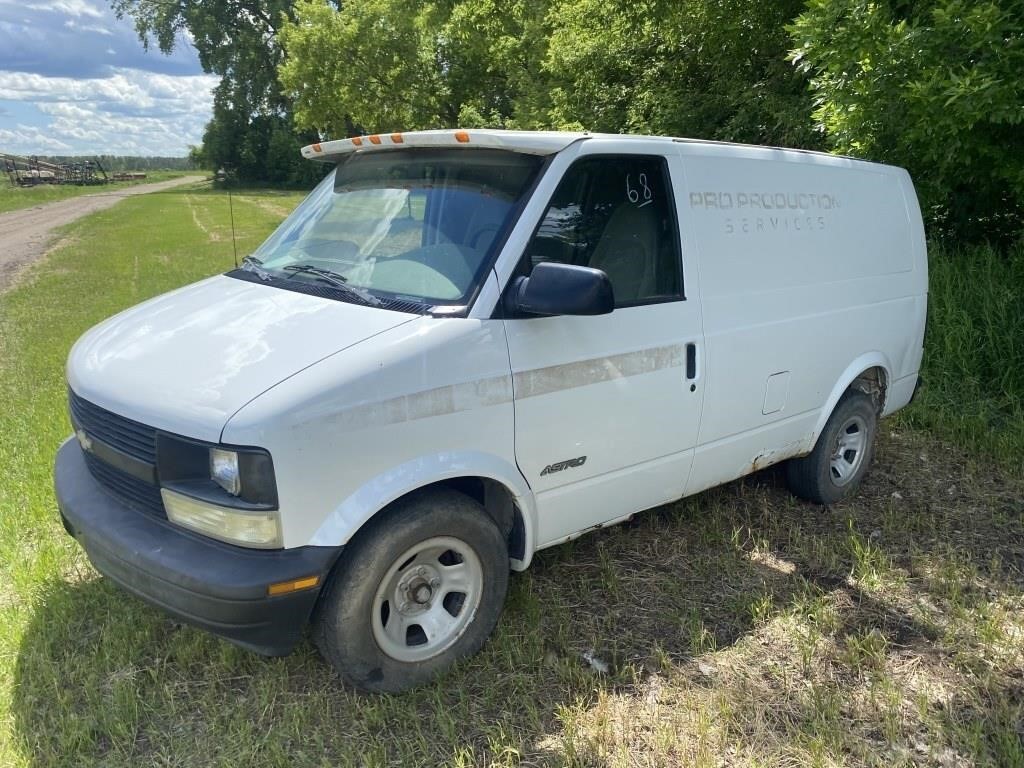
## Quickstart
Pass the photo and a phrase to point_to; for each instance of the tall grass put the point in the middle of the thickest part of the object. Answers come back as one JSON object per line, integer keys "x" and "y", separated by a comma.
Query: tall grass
{"x": 974, "y": 350}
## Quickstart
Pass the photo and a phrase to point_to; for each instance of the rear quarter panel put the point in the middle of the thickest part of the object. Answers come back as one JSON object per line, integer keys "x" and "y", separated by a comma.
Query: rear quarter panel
{"x": 808, "y": 263}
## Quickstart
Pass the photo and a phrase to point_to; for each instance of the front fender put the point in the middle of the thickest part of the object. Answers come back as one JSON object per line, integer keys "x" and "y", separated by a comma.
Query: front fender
{"x": 352, "y": 513}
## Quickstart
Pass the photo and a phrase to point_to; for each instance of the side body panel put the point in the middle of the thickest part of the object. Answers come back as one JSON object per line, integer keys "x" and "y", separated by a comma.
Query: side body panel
{"x": 783, "y": 318}
{"x": 812, "y": 270}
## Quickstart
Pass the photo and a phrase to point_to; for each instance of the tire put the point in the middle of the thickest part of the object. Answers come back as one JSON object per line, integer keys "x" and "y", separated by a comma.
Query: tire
{"x": 418, "y": 588}
{"x": 827, "y": 475}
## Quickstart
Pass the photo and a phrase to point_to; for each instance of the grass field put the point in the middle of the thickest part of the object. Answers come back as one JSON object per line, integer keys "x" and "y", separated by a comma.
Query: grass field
{"x": 739, "y": 627}
{"x": 12, "y": 198}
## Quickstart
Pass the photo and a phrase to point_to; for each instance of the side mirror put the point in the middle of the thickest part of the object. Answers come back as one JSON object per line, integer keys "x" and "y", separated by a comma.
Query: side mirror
{"x": 561, "y": 289}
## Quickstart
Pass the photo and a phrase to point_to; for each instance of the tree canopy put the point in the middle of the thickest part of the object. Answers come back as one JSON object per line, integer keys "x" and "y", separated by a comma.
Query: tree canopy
{"x": 237, "y": 40}
{"x": 933, "y": 86}
{"x": 694, "y": 67}
{"x": 707, "y": 68}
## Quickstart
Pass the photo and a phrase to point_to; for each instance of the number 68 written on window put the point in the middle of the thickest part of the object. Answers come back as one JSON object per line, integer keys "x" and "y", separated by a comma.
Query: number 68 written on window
{"x": 636, "y": 194}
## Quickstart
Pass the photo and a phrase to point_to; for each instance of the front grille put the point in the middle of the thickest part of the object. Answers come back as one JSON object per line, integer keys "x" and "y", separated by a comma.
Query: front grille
{"x": 127, "y": 436}
{"x": 136, "y": 493}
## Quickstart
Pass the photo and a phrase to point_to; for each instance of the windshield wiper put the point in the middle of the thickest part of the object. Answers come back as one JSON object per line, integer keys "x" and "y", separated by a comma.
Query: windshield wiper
{"x": 329, "y": 275}
{"x": 335, "y": 279}
{"x": 252, "y": 264}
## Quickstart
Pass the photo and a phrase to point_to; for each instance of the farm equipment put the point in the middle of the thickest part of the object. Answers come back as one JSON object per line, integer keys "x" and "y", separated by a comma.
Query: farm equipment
{"x": 30, "y": 171}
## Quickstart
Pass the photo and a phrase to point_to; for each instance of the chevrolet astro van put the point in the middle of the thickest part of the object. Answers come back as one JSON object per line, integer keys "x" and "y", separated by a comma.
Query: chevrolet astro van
{"x": 466, "y": 346}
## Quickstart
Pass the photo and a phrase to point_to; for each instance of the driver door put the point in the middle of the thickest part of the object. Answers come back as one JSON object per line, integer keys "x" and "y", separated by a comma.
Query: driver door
{"x": 607, "y": 407}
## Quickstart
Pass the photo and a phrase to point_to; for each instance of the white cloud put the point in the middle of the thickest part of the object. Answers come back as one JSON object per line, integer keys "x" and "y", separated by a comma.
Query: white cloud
{"x": 130, "y": 112}
{"x": 124, "y": 90}
{"x": 75, "y": 26}
{"x": 70, "y": 7}
{"x": 27, "y": 139}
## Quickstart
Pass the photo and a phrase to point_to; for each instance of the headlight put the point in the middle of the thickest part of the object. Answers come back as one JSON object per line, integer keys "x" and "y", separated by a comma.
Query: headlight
{"x": 224, "y": 470}
{"x": 253, "y": 528}
{"x": 228, "y": 493}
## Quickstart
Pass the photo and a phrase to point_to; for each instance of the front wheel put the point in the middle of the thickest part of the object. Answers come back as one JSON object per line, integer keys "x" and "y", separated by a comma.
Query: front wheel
{"x": 420, "y": 587}
{"x": 840, "y": 459}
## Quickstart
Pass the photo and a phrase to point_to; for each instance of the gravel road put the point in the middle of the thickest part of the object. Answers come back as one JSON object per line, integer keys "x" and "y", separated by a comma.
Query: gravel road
{"x": 27, "y": 234}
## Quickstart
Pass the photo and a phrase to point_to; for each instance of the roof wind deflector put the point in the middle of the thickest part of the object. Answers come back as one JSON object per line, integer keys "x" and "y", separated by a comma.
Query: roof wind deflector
{"x": 529, "y": 142}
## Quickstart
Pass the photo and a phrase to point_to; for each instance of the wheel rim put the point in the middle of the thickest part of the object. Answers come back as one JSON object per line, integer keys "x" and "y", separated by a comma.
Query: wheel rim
{"x": 848, "y": 453}
{"x": 427, "y": 599}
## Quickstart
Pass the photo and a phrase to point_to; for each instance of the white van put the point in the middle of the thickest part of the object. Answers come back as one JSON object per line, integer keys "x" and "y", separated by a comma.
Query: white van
{"x": 466, "y": 346}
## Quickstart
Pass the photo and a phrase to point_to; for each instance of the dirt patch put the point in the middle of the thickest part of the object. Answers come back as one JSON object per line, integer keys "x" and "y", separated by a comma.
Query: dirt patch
{"x": 265, "y": 205}
{"x": 27, "y": 234}
{"x": 213, "y": 237}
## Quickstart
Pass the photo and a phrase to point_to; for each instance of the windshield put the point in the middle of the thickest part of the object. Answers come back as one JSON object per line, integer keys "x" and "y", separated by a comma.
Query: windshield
{"x": 410, "y": 224}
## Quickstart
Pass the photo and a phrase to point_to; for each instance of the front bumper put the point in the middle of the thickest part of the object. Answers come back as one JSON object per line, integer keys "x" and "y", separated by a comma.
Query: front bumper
{"x": 215, "y": 586}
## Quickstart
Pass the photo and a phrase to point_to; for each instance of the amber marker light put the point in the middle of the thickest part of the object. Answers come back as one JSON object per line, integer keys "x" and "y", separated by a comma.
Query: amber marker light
{"x": 462, "y": 137}
{"x": 396, "y": 138}
{"x": 374, "y": 139}
{"x": 295, "y": 585}
{"x": 357, "y": 141}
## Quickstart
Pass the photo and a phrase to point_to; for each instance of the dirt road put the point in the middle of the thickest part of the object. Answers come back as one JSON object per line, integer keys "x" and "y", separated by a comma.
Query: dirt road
{"x": 26, "y": 234}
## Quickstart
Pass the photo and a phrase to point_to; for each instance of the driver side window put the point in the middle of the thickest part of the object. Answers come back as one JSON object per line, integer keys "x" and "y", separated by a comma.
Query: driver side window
{"x": 616, "y": 214}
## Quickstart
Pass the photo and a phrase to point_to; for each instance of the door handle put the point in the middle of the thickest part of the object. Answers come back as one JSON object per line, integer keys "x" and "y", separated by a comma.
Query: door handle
{"x": 691, "y": 361}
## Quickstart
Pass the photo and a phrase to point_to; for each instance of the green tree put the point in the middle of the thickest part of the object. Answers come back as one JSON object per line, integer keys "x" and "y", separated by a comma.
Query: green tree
{"x": 494, "y": 51}
{"x": 370, "y": 65}
{"x": 385, "y": 65}
{"x": 933, "y": 86}
{"x": 702, "y": 68}
{"x": 237, "y": 40}
{"x": 196, "y": 157}
{"x": 697, "y": 67}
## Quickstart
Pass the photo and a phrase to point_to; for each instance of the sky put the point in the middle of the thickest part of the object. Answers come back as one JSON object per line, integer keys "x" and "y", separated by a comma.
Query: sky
{"x": 75, "y": 80}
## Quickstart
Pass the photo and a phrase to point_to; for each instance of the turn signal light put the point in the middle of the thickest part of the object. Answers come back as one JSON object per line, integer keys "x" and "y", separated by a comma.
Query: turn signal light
{"x": 295, "y": 585}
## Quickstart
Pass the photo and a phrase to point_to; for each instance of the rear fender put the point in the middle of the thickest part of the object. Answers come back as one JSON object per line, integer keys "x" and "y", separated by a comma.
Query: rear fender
{"x": 868, "y": 360}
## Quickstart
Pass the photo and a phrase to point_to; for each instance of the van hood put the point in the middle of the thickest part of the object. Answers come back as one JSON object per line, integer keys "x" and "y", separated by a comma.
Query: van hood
{"x": 186, "y": 361}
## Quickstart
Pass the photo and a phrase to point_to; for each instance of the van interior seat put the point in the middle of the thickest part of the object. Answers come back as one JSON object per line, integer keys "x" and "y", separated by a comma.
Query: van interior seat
{"x": 484, "y": 222}
{"x": 627, "y": 252}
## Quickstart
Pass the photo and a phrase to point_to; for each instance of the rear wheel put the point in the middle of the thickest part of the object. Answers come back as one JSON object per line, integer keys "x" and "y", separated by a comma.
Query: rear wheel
{"x": 419, "y": 588}
{"x": 834, "y": 469}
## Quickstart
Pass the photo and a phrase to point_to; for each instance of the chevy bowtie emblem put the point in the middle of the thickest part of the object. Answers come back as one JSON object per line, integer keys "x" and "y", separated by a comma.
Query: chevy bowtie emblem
{"x": 84, "y": 440}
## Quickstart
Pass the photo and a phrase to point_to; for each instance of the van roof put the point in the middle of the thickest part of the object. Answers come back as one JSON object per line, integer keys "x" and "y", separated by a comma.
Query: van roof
{"x": 531, "y": 142}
